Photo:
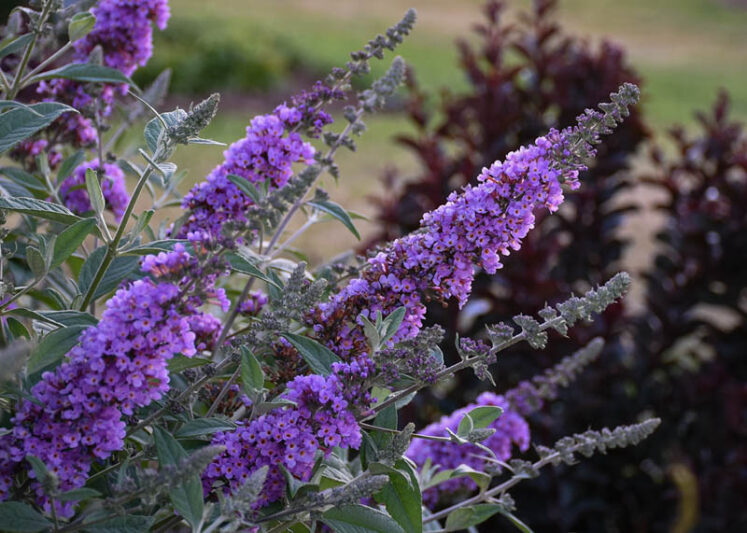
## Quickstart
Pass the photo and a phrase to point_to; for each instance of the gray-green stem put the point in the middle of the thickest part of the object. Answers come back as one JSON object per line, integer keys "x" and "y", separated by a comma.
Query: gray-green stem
{"x": 27, "y": 52}
{"x": 453, "y": 369}
{"x": 111, "y": 250}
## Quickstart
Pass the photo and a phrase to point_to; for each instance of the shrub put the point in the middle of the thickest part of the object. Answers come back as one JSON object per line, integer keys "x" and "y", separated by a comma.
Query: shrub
{"x": 148, "y": 385}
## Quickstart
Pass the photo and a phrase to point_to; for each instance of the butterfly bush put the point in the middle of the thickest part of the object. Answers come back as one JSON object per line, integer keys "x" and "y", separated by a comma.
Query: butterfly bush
{"x": 471, "y": 230}
{"x": 475, "y": 228}
{"x": 260, "y": 407}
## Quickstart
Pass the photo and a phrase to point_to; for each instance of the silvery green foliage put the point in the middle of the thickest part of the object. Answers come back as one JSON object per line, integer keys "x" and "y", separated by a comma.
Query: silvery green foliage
{"x": 148, "y": 384}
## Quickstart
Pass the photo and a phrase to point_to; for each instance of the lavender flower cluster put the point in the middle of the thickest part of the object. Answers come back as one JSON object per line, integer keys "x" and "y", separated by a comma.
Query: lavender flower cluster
{"x": 288, "y": 436}
{"x": 510, "y": 430}
{"x": 124, "y": 33}
{"x": 474, "y": 228}
{"x": 119, "y": 365}
{"x": 267, "y": 154}
{"x": 74, "y": 195}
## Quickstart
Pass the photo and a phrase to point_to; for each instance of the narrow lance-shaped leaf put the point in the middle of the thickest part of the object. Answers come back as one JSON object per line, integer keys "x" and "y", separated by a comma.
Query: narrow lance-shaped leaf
{"x": 470, "y": 516}
{"x": 95, "y": 194}
{"x": 336, "y": 211}
{"x": 39, "y": 208}
{"x": 17, "y": 517}
{"x": 318, "y": 357}
{"x": 353, "y": 518}
{"x": 252, "y": 376}
{"x": 70, "y": 239}
{"x": 85, "y": 72}
{"x": 246, "y": 186}
{"x": 14, "y": 44}
{"x": 53, "y": 347}
{"x": 21, "y": 123}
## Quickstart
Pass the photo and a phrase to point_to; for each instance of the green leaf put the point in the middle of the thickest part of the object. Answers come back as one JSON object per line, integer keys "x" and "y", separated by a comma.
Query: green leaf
{"x": 69, "y": 317}
{"x": 15, "y": 44}
{"x": 70, "y": 239}
{"x": 318, "y": 357}
{"x": 22, "y": 177}
{"x": 392, "y": 323}
{"x": 485, "y": 415}
{"x": 402, "y": 496}
{"x": 155, "y": 247}
{"x": 53, "y": 347}
{"x": 21, "y": 123}
{"x": 180, "y": 362}
{"x": 118, "y": 270}
{"x": 76, "y": 495}
{"x": 478, "y": 418}
{"x": 95, "y": 194}
{"x": 265, "y": 407}
{"x": 240, "y": 264}
{"x": 337, "y": 212}
{"x": 123, "y": 524}
{"x": 85, "y": 72}
{"x": 40, "y": 469}
{"x": 480, "y": 478}
{"x": 245, "y": 186}
{"x": 80, "y": 25}
{"x": 252, "y": 376}
{"x": 17, "y": 329}
{"x": 28, "y": 313}
{"x": 354, "y": 518}
{"x": 295, "y": 487}
{"x": 467, "y": 517}
{"x": 186, "y": 497}
{"x": 39, "y": 208}
{"x": 204, "y": 426}
{"x": 70, "y": 164}
{"x": 17, "y": 517}
{"x": 518, "y": 524}
{"x": 12, "y": 190}
{"x": 36, "y": 262}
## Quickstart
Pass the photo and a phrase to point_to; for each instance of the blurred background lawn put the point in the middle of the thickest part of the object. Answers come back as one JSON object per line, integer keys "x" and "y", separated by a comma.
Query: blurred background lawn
{"x": 258, "y": 52}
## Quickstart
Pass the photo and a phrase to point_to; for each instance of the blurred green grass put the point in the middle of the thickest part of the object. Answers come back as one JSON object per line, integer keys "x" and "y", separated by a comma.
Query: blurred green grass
{"x": 685, "y": 50}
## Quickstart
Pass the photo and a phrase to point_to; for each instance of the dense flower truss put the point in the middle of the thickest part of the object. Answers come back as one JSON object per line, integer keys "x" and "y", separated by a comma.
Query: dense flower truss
{"x": 74, "y": 195}
{"x": 510, "y": 429}
{"x": 288, "y": 436}
{"x": 124, "y": 31}
{"x": 473, "y": 229}
{"x": 266, "y": 155}
{"x": 119, "y": 365}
